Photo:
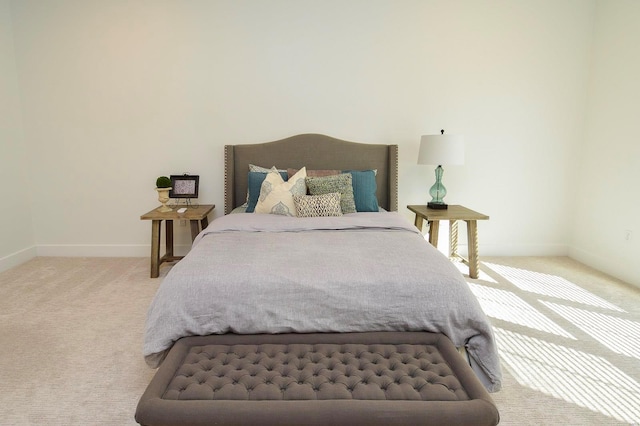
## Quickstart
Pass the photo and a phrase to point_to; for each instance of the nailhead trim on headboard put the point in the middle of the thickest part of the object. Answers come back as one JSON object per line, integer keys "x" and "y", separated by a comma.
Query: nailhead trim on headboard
{"x": 314, "y": 151}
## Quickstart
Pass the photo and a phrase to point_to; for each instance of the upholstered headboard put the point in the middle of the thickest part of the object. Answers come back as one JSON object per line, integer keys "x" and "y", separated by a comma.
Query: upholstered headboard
{"x": 315, "y": 152}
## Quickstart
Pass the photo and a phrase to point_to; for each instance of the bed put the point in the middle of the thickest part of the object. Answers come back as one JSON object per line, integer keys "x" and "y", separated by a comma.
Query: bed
{"x": 251, "y": 274}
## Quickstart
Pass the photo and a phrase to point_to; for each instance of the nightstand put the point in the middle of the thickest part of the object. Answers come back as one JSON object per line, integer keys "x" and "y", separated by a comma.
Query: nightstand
{"x": 453, "y": 214}
{"x": 196, "y": 215}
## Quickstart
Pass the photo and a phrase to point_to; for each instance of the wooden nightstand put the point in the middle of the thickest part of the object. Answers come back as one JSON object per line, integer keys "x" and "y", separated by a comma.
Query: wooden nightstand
{"x": 453, "y": 214}
{"x": 198, "y": 218}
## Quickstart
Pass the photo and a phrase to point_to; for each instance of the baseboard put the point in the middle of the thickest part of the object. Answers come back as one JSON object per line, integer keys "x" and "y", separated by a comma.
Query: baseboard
{"x": 18, "y": 258}
{"x": 508, "y": 249}
{"x": 102, "y": 250}
{"x": 144, "y": 250}
{"x": 523, "y": 249}
{"x": 613, "y": 267}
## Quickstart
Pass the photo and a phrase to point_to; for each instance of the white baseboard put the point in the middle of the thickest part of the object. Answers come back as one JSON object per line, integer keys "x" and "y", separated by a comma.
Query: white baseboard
{"x": 522, "y": 249}
{"x": 506, "y": 249}
{"x": 144, "y": 250}
{"x": 613, "y": 267}
{"x": 18, "y": 258}
{"x": 103, "y": 250}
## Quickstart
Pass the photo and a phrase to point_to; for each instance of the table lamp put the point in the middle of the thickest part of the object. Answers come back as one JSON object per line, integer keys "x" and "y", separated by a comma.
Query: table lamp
{"x": 438, "y": 150}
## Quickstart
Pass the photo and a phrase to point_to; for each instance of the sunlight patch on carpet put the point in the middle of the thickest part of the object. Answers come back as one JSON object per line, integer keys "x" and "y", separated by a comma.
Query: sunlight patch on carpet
{"x": 505, "y": 305}
{"x": 574, "y": 376}
{"x": 550, "y": 285}
{"x": 618, "y": 334}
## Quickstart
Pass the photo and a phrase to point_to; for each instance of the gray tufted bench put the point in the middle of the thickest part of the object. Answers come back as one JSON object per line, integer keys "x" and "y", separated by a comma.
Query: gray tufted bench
{"x": 316, "y": 379}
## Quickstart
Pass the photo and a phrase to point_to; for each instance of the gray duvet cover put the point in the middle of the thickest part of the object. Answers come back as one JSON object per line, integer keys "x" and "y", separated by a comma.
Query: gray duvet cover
{"x": 258, "y": 273}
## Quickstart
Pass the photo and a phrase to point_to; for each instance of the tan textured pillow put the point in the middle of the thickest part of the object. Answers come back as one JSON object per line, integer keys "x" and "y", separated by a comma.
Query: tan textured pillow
{"x": 276, "y": 195}
{"x": 318, "y": 205}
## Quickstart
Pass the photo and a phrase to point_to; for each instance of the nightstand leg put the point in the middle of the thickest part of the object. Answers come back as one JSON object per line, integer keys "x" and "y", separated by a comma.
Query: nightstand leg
{"x": 472, "y": 240}
{"x": 169, "y": 239}
{"x": 453, "y": 238}
{"x": 434, "y": 227}
{"x": 418, "y": 223}
{"x": 155, "y": 248}
{"x": 194, "y": 229}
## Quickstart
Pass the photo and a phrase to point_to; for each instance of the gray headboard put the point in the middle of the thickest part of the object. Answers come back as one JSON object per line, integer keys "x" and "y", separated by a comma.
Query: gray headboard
{"x": 315, "y": 152}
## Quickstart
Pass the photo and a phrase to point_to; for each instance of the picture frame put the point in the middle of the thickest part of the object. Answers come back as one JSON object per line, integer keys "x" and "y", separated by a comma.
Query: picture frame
{"x": 184, "y": 186}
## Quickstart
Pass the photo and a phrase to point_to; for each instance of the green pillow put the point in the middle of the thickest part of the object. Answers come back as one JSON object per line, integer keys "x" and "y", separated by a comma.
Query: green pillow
{"x": 342, "y": 183}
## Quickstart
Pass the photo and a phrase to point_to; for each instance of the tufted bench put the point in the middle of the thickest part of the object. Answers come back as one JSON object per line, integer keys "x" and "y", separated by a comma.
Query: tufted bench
{"x": 408, "y": 378}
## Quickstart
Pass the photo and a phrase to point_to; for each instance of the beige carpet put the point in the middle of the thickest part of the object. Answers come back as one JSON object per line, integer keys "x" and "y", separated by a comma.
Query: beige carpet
{"x": 71, "y": 337}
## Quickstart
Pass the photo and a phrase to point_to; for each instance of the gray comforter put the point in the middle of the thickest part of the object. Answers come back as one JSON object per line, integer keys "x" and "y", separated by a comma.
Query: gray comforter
{"x": 253, "y": 273}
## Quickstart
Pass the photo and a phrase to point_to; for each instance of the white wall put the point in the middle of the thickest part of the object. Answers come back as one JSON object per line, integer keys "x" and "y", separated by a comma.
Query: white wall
{"x": 118, "y": 92}
{"x": 17, "y": 242}
{"x": 608, "y": 198}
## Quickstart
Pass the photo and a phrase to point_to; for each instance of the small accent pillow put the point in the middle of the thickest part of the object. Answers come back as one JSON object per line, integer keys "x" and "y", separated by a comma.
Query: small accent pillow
{"x": 341, "y": 183}
{"x": 318, "y": 205}
{"x": 364, "y": 190}
{"x": 276, "y": 194}
{"x": 254, "y": 182}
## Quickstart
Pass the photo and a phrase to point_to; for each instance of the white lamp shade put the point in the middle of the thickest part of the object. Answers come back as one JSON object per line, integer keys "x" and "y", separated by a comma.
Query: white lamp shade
{"x": 441, "y": 149}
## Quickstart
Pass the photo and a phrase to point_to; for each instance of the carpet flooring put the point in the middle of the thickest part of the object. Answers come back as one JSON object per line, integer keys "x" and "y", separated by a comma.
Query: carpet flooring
{"x": 71, "y": 334}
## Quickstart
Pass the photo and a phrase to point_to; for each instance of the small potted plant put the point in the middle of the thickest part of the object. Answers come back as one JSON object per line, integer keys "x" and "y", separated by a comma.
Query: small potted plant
{"x": 163, "y": 186}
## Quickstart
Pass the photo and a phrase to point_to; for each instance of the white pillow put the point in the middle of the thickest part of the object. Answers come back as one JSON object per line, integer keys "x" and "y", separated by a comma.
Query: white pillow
{"x": 260, "y": 169}
{"x": 276, "y": 195}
